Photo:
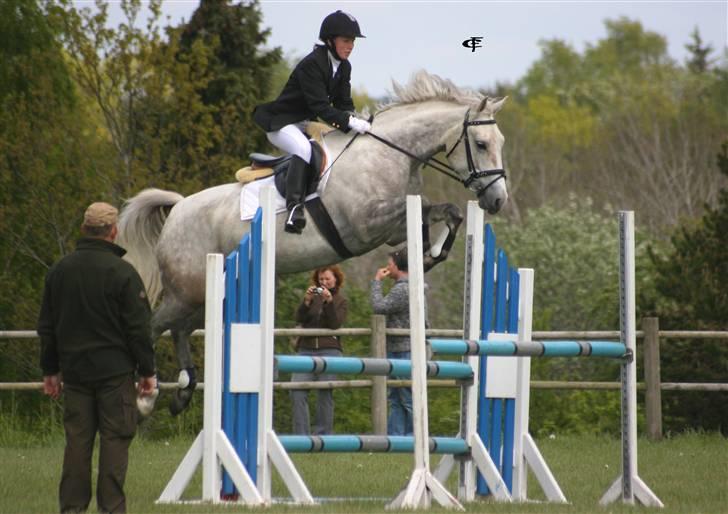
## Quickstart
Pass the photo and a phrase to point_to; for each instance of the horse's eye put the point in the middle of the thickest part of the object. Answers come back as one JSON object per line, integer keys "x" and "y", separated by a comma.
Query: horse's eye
{"x": 481, "y": 145}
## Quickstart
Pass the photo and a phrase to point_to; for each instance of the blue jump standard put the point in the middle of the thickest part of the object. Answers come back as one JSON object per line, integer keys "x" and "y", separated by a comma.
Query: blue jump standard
{"x": 530, "y": 348}
{"x": 381, "y": 367}
{"x": 369, "y": 443}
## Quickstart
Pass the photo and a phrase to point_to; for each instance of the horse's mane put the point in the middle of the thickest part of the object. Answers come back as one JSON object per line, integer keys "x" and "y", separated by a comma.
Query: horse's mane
{"x": 424, "y": 86}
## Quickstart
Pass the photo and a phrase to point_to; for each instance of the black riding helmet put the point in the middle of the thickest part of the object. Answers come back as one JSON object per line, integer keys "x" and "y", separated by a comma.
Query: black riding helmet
{"x": 341, "y": 24}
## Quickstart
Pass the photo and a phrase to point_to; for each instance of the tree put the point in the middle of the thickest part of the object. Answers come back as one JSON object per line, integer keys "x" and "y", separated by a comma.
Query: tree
{"x": 691, "y": 279}
{"x": 240, "y": 71}
{"x": 698, "y": 61}
{"x": 46, "y": 157}
{"x": 31, "y": 51}
{"x": 621, "y": 123}
{"x": 558, "y": 72}
{"x": 51, "y": 168}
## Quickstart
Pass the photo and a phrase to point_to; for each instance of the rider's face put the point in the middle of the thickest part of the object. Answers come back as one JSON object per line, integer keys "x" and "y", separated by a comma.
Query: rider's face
{"x": 344, "y": 46}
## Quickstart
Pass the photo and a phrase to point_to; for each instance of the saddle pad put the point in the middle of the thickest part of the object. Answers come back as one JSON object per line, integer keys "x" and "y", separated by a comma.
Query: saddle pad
{"x": 250, "y": 198}
{"x": 249, "y": 174}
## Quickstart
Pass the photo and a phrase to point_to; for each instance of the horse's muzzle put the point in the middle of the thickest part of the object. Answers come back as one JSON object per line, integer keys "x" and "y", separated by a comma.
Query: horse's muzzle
{"x": 492, "y": 200}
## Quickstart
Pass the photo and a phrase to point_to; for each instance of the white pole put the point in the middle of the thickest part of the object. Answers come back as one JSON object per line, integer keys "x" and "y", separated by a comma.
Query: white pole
{"x": 629, "y": 485}
{"x": 423, "y": 486}
{"x": 214, "y": 294}
{"x": 523, "y": 385}
{"x": 417, "y": 336}
{"x": 629, "y": 370}
{"x": 473, "y": 297}
{"x": 267, "y": 321}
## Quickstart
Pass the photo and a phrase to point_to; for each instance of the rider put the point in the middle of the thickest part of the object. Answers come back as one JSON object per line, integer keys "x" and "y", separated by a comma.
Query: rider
{"x": 319, "y": 86}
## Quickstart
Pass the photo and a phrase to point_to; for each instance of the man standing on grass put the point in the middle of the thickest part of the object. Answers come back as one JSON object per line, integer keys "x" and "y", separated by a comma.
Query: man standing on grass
{"x": 94, "y": 328}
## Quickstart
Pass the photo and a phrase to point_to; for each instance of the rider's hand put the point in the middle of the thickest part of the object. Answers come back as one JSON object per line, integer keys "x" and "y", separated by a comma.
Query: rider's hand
{"x": 358, "y": 125}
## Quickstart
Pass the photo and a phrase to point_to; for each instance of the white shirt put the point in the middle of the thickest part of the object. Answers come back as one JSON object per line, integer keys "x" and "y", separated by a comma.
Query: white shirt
{"x": 334, "y": 63}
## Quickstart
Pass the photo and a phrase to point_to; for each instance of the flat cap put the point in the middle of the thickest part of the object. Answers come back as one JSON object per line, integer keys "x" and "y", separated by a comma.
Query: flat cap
{"x": 100, "y": 214}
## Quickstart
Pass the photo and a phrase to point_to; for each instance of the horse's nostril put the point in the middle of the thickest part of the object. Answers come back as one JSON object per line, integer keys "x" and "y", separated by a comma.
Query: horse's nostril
{"x": 498, "y": 203}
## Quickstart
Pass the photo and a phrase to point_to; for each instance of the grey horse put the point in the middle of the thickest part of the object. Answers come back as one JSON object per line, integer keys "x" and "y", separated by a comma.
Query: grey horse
{"x": 167, "y": 235}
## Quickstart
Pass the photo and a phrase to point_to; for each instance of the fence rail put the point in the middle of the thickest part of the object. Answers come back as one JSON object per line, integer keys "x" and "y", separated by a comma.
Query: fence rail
{"x": 650, "y": 333}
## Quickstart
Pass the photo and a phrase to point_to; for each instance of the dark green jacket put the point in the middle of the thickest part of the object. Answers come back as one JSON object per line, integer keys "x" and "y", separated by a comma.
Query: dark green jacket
{"x": 95, "y": 318}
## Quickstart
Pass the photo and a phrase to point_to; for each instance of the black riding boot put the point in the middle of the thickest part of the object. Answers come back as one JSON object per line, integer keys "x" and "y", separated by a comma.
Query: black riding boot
{"x": 296, "y": 182}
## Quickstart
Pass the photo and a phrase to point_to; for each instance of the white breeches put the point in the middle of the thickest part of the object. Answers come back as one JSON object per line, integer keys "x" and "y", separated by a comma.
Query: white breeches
{"x": 291, "y": 140}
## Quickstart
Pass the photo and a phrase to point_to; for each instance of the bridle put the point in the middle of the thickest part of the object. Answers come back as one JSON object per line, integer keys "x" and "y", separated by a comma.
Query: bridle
{"x": 475, "y": 173}
{"x": 445, "y": 168}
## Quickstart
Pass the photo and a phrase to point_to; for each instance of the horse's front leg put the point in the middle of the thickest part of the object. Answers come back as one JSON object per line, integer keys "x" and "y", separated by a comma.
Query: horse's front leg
{"x": 438, "y": 250}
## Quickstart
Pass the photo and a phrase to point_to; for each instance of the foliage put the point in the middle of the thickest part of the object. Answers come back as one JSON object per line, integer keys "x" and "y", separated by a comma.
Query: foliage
{"x": 240, "y": 74}
{"x": 574, "y": 252}
{"x": 49, "y": 161}
{"x": 691, "y": 279}
{"x": 96, "y": 113}
{"x": 633, "y": 127}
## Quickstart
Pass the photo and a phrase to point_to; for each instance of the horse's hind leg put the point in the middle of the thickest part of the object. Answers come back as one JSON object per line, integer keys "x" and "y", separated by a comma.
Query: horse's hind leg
{"x": 181, "y": 319}
{"x": 438, "y": 250}
{"x": 187, "y": 379}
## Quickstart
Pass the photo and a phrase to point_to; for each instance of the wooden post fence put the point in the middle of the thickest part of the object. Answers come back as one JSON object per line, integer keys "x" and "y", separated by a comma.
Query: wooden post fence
{"x": 653, "y": 394}
{"x": 379, "y": 383}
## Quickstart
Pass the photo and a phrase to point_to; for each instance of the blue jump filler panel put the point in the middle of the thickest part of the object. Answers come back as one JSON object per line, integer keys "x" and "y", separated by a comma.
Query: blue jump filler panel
{"x": 499, "y": 313}
{"x": 242, "y": 305}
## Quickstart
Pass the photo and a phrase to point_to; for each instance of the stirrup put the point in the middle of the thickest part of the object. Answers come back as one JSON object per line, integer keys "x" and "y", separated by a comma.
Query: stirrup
{"x": 296, "y": 219}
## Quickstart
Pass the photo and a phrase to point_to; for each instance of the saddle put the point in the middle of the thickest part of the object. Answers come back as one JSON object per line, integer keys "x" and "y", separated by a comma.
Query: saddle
{"x": 264, "y": 165}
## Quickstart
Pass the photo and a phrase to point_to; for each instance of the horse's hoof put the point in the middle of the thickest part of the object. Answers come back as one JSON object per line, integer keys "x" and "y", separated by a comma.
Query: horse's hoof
{"x": 180, "y": 400}
{"x": 292, "y": 228}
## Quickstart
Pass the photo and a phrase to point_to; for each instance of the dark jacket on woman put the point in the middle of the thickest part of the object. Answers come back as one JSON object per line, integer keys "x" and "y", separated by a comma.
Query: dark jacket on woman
{"x": 311, "y": 92}
{"x": 322, "y": 315}
{"x": 94, "y": 322}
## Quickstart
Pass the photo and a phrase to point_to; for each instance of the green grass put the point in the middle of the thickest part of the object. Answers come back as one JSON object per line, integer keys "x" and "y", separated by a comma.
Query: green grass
{"x": 687, "y": 472}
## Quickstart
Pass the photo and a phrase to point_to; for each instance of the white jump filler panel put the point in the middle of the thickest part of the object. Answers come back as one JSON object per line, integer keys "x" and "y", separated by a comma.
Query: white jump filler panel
{"x": 247, "y": 355}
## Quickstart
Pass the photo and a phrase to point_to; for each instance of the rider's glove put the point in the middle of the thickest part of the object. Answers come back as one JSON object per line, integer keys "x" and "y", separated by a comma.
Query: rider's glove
{"x": 358, "y": 125}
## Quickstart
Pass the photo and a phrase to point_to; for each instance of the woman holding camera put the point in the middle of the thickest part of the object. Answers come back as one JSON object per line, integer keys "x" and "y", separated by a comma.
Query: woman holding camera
{"x": 323, "y": 306}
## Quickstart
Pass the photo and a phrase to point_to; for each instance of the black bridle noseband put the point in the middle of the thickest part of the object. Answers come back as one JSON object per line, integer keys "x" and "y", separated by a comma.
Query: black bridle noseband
{"x": 442, "y": 167}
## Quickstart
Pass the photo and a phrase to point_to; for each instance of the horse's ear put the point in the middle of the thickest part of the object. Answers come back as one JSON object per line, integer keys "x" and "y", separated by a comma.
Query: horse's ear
{"x": 483, "y": 103}
{"x": 492, "y": 105}
{"x": 495, "y": 104}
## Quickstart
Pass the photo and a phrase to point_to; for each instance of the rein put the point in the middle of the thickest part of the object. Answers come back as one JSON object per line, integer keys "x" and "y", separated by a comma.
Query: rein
{"x": 435, "y": 164}
{"x": 445, "y": 168}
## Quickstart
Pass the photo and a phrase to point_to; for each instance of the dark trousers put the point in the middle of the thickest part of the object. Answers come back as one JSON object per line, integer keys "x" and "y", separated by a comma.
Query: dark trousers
{"x": 109, "y": 407}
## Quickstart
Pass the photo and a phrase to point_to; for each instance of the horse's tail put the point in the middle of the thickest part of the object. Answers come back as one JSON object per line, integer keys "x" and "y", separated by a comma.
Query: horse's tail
{"x": 140, "y": 223}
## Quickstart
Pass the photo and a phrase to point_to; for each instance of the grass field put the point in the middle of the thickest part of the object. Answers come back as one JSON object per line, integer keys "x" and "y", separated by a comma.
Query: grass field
{"x": 689, "y": 473}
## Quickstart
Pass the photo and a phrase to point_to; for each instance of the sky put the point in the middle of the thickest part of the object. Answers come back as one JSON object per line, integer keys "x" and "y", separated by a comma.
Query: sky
{"x": 403, "y": 37}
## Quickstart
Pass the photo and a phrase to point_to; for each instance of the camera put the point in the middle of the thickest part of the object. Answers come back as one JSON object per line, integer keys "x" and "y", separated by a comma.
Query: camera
{"x": 318, "y": 290}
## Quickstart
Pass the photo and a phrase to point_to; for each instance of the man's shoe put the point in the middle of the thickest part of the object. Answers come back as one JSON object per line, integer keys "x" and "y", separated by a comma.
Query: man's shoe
{"x": 296, "y": 220}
